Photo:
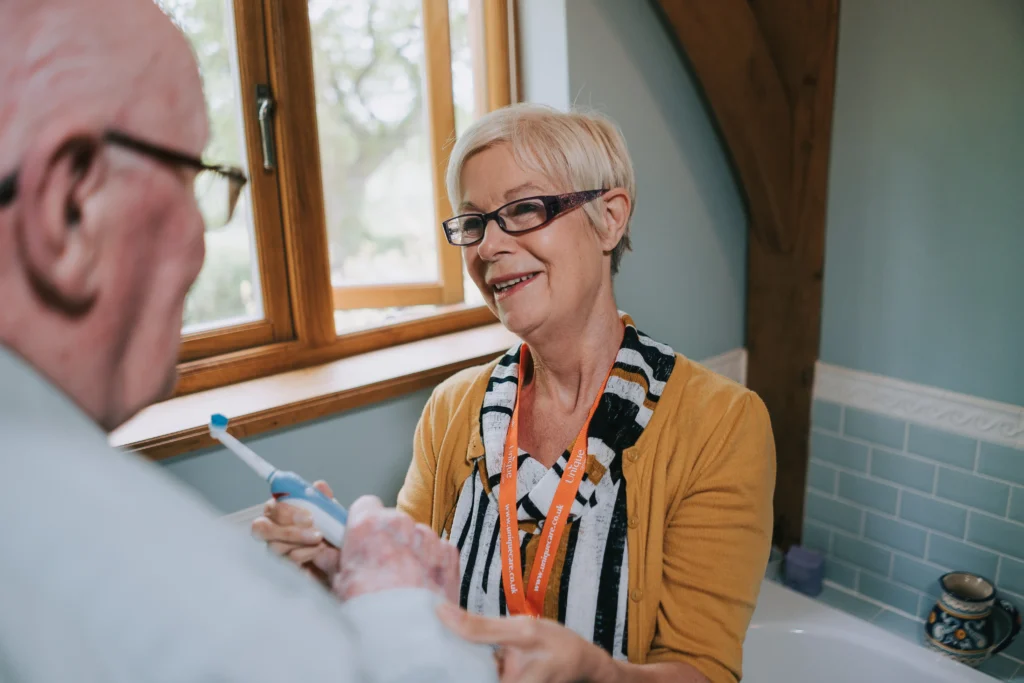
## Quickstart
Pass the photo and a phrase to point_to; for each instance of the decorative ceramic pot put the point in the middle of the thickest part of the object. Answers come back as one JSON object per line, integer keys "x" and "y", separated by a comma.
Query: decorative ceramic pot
{"x": 961, "y": 623}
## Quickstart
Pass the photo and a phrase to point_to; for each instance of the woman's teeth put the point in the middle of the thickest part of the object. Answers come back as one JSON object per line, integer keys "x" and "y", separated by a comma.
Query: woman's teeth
{"x": 512, "y": 283}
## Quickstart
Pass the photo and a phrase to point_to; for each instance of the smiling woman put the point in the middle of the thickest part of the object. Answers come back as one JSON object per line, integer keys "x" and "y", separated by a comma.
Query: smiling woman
{"x": 646, "y": 567}
{"x": 678, "y": 463}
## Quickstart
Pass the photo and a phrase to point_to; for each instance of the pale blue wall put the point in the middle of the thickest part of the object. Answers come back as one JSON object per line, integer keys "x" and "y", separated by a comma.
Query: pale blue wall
{"x": 924, "y": 267}
{"x": 683, "y": 283}
{"x": 361, "y": 451}
{"x": 543, "y": 59}
{"x": 685, "y": 280}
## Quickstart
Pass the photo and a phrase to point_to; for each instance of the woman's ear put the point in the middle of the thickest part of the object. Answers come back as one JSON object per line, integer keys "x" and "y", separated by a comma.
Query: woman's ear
{"x": 616, "y": 211}
{"x": 59, "y": 239}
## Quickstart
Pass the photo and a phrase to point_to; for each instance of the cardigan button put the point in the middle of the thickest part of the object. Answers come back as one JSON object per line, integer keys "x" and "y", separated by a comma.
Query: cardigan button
{"x": 636, "y": 595}
{"x": 634, "y": 522}
{"x": 632, "y": 456}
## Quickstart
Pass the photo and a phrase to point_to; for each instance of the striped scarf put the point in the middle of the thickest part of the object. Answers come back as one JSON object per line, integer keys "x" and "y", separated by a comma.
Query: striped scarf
{"x": 589, "y": 578}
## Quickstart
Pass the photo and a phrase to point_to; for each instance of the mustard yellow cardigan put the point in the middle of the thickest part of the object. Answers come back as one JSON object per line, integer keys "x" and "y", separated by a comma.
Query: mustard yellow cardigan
{"x": 699, "y": 485}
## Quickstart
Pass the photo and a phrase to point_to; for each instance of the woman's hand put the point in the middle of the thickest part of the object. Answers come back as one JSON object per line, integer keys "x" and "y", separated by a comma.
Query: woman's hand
{"x": 533, "y": 650}
{"x": 289, "y": 532}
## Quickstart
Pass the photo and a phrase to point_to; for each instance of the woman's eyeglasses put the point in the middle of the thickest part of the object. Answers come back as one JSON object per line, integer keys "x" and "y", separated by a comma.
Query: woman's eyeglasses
{"x": 515, "y": 218}
{"x": 218, "y": 188}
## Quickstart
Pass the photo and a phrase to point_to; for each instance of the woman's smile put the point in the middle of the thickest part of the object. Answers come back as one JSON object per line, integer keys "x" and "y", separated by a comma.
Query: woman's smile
{"x": 507, "y": 286}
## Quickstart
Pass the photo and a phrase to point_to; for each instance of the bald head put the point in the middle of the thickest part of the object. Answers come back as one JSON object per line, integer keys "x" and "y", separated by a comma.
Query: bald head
{"x": 100, "y": 244}
{"x": 94, "y": 57}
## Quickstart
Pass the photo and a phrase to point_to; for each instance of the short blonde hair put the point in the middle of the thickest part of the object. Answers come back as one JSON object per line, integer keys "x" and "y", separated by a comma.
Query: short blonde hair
{"x": 576, "y": 150}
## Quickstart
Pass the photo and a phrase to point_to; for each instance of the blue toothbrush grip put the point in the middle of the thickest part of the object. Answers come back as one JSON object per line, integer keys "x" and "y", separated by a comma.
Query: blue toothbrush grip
{"x": 329, "y": 516}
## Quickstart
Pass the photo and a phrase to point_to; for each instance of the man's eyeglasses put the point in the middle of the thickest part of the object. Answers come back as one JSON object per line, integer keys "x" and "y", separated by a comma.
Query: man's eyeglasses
{"x": 217, "y": 187}
{"x": 515, "y": 218}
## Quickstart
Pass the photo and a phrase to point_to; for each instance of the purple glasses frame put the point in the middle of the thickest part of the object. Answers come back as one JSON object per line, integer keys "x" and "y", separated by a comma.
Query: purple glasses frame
{"x": 554, "y": 206}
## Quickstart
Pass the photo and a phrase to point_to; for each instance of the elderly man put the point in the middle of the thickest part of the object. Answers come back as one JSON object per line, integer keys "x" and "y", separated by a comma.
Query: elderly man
{"x": 109, "y": 571}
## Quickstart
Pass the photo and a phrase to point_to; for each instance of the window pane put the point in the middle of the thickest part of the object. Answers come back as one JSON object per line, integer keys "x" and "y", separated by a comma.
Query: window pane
{"x": 368, "y": 58}
{"x": 228, "y": 289}
{"x": 466, "y": 42}
{"x": 360, "y": 319}
{"x": 466, "y": 26}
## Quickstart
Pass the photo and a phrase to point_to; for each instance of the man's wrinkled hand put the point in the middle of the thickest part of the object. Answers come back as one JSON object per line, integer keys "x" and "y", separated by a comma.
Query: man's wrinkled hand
{"x": 385, "y": 549}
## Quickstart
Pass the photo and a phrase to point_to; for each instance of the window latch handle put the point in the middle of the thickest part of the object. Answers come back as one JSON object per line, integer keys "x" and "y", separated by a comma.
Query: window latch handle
{"x": 265, "y": 108}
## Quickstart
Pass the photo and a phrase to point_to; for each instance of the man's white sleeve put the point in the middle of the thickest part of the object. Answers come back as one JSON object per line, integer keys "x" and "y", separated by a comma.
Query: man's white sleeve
{"x": 423, "y": 650}
{"x": 112, "y": 572}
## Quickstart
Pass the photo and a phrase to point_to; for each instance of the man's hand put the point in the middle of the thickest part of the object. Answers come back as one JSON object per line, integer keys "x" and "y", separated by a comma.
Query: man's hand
{"x": 385, "y": 549}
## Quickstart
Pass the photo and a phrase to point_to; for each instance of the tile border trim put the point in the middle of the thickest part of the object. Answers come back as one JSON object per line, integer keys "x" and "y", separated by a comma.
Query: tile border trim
{"x": 971, "y": 416}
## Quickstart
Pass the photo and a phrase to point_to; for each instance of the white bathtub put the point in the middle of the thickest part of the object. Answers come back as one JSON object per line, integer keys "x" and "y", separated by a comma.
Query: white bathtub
{"x": 794, "y": 639}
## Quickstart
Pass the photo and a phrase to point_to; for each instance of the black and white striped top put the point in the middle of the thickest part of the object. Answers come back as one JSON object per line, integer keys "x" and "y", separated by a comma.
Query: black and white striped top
{"x": 590, "y": 574}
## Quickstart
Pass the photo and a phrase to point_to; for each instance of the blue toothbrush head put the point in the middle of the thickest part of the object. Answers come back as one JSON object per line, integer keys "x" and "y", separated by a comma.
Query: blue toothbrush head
{"x": 218, "y": 423}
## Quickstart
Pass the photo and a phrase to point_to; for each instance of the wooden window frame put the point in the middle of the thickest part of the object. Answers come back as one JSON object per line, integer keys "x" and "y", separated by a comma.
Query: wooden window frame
{"x": 274, "y": 43}
{"x": 276, "y": 326}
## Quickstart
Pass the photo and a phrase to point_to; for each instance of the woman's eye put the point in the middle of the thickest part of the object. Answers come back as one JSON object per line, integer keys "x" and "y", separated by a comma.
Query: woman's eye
{"x": 527, "y": 209}
{"x": 471, "y": 224}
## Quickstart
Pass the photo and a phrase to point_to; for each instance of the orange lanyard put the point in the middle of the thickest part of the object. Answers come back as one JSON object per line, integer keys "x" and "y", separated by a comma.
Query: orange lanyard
{"x": 529, "y": 599}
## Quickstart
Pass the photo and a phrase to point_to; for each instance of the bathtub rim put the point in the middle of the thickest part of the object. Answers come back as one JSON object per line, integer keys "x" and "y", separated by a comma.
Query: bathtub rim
{"x": 782, "y": 609}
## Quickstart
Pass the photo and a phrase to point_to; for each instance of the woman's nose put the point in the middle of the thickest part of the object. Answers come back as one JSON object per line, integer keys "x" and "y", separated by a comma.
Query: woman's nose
{"x": 496, "y": 241}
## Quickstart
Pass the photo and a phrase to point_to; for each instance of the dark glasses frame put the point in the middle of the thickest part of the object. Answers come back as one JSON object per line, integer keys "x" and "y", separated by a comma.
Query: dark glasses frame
{"x": 554, "y": 206}
{"x": 235, "y": 176}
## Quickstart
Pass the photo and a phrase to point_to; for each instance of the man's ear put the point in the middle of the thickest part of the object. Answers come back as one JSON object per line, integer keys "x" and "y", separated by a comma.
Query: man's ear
{"x": 616, "y": 210}
{"x": 58, "y": 237}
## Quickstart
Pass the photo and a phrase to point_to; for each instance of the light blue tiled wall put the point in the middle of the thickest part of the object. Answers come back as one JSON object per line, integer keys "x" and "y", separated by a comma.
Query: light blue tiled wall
{"x": 894, "y": 505}
{"x": 924, "y": 234}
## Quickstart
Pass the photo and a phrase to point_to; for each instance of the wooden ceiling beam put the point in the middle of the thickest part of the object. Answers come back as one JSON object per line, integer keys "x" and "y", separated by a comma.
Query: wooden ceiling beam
{"x": 767, "y": 69}
{"x": 725, "y": 45}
